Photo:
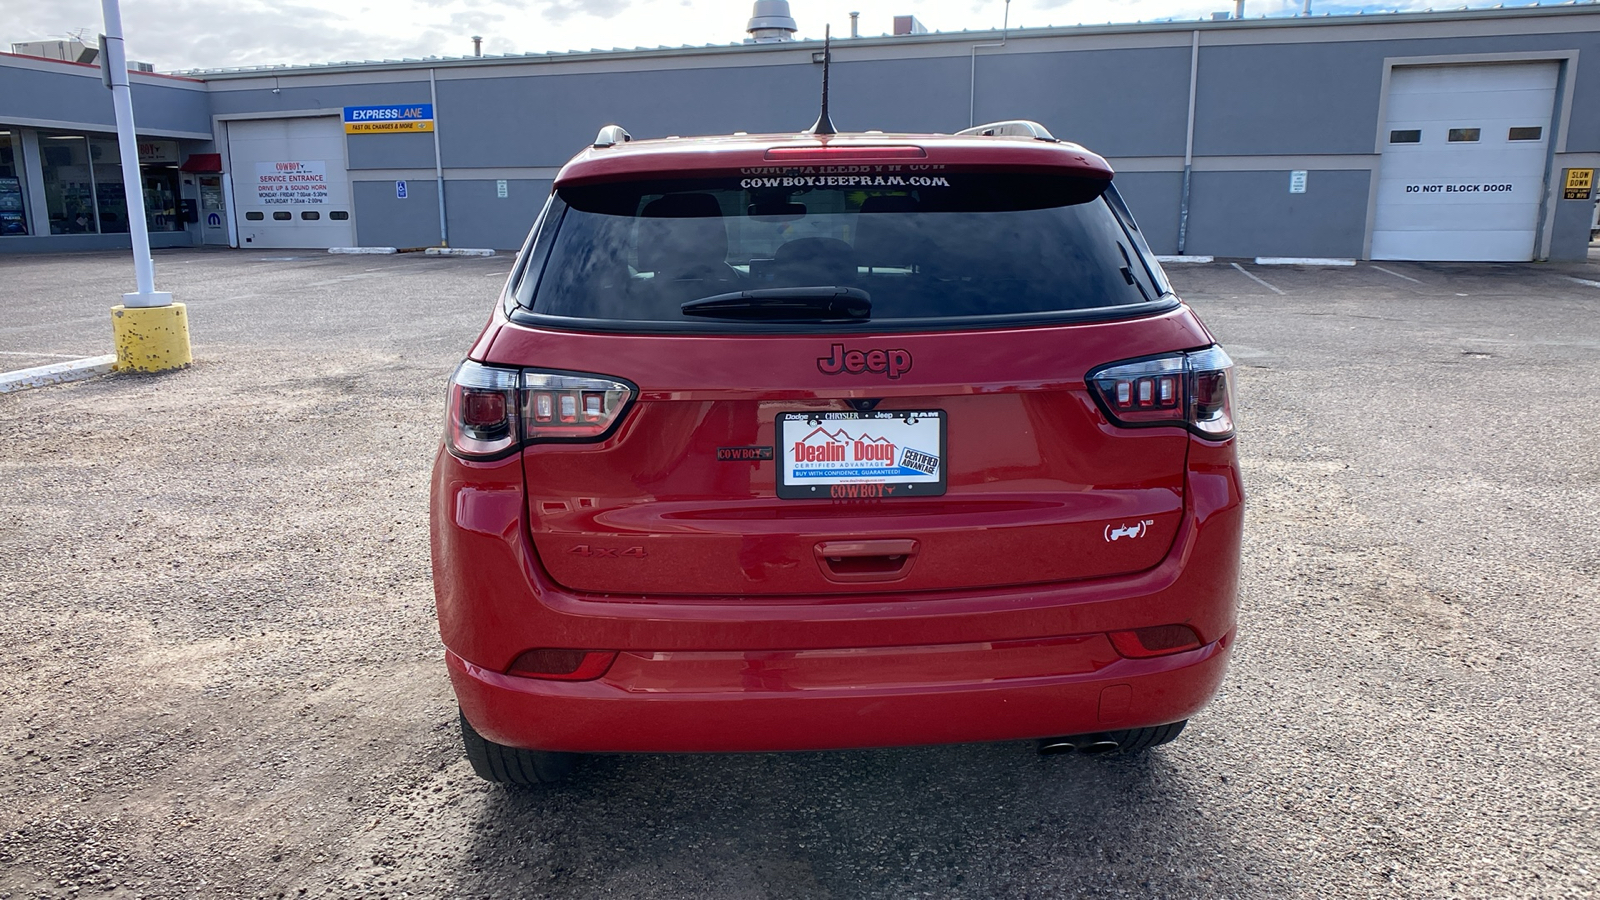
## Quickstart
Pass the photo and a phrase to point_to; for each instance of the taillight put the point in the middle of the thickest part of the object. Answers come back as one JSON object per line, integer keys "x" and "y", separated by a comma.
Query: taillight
{"x": 846, "y": 152}
{"x": 1193, "y": 389}
{"x": 558, "y": 407}
{"x": 481, "y": 421}
{"x": 492, "y": 411}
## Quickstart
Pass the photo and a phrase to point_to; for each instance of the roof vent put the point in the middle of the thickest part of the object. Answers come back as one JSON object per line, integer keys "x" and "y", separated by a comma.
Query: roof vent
{"x": 770, "y": 22}
{"x": 909, "y": 25}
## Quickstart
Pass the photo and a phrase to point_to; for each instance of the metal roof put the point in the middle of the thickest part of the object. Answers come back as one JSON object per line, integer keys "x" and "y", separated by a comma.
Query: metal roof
{"x": 884, "y": 41}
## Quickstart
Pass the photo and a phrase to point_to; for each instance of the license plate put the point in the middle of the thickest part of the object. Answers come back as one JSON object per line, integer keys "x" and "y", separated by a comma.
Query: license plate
{"x": 861, "y": 455}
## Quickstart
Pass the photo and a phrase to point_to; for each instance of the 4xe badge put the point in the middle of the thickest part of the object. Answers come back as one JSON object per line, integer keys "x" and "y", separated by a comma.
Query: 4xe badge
{"x": 1136, "y": 530}
{"x": 892, "y": 363}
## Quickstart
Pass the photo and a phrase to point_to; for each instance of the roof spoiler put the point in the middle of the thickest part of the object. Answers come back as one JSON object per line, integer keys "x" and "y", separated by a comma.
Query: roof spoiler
{"x": 610, "y": 136}
{"x": 1012, "y": 128}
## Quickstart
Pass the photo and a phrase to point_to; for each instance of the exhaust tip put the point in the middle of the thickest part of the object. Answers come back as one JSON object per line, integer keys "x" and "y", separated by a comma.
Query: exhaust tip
{"x": 1081, "y": 743}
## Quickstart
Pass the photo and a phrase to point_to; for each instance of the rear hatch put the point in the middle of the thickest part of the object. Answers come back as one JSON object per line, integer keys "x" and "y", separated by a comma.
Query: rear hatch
{"x": 840, "y": 385}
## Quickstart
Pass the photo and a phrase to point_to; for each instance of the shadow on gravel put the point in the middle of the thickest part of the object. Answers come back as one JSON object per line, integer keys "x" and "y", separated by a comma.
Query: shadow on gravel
{"x": 993, "y": 820}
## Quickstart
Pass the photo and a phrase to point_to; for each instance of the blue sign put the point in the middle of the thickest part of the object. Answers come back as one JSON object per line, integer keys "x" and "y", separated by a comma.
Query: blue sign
{"x": 400, "y": 190}
{"x": 214, "y": 220}
{"x": 374, "y": 119}
{"x": 410, "y": 112}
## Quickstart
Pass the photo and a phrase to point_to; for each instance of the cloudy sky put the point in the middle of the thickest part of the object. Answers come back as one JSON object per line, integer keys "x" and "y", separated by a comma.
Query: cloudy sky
{"x": 183, "y": 34}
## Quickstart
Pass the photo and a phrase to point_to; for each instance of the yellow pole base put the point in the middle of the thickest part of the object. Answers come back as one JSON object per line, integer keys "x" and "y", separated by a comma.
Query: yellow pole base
{"x": 151, "y": 339}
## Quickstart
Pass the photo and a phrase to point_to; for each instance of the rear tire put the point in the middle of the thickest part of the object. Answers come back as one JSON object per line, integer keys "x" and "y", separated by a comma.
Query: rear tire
{"x": 1138, "y": 740}
{"x": 512, "y": 765}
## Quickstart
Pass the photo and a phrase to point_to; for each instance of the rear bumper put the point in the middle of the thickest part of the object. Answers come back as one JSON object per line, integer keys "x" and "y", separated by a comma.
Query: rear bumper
{"x": 787, "y": 673}
{"x": 742, "y": 702}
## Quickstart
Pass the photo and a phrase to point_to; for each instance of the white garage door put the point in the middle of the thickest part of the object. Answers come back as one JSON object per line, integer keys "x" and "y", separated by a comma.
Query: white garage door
{"x": 1464, "y": 162}
{"x": 290, "y": 187}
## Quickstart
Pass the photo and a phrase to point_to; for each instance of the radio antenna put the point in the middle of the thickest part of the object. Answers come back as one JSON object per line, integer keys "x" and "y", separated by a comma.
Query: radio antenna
{"x": 824, "y": 121}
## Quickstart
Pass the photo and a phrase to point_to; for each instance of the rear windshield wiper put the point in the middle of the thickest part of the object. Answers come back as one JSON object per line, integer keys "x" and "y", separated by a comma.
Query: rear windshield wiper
{"x": 1127, "y": 273}
{"x": 819, "y": 303}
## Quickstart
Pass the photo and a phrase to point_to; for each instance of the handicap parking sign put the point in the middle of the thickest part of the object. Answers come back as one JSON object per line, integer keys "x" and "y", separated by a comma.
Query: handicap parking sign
{"x": 400, "y": 190}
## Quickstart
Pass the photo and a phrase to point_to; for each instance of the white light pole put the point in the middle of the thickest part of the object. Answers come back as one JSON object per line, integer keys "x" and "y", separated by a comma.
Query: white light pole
{"x": 152, "y": 332}
{"x": 114, "y": 65}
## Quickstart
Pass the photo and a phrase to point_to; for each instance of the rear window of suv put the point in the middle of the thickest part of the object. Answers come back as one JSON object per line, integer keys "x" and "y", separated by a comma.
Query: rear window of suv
{"x": 931, "y": 250}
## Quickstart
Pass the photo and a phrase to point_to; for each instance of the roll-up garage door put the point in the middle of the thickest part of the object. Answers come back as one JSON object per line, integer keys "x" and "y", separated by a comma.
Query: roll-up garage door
{"x": 1464, "y": 160}
{"x": 290, "y": 186}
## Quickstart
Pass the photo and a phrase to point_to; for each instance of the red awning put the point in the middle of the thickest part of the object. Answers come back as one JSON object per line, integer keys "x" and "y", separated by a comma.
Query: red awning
{"x": 202, "y": 162}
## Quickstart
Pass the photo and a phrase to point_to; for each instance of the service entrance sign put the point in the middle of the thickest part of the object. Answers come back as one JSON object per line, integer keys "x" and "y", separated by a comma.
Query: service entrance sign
{"x": 298, "y": 183}
{"x": 408, "y": 118}
{"x": 1580, "y": 184}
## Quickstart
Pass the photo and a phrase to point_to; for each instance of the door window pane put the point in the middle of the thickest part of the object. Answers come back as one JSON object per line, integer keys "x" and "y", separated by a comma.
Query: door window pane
{"x": 68, "y": 184}
{"x": 1526, "y": 134}
{"x": 1408, "y": 136}
{"x": 211, "y": 193}
{"x": 160, "y": 184}
{"x": 1464, "y": 135}
{"x": 13, "y": 211}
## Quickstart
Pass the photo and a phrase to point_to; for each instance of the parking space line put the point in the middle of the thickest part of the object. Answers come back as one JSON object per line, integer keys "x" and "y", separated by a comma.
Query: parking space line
{"x": 1256, "y": 280}
{"x": 1303, "y": 261}
{"x": 1593, "y": 284}
{"x": 57, "y": 373}
{"x": 1396, "y": 274}
{"x": 41, "y": 355}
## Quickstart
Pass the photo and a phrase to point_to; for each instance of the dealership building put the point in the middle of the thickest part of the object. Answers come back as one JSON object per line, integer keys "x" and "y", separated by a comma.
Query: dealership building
{"x": 1463, "y": 135}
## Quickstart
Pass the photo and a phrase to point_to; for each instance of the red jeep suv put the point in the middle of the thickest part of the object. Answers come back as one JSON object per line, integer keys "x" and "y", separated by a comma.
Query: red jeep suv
{"x": 795, "y": 442}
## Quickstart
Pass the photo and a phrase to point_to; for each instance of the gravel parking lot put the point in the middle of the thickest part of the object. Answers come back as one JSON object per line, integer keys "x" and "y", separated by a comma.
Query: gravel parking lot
{"x": 220, "y": 674}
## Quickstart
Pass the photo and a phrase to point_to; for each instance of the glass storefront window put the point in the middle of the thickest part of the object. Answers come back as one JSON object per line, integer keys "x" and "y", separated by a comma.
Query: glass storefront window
{"x": 69, "y": 193}
{"x": 110, "y": 196}
{"x": 83, "y": 185}
{"x": 13, "y": 211}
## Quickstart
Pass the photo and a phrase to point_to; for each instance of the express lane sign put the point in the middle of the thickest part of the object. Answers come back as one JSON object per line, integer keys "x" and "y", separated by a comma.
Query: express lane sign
{"x": 405, "y": 118}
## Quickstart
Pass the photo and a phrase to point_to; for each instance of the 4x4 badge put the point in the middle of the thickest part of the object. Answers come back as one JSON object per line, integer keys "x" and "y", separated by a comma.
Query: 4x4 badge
{"x": 1137, "y": 530}
{"x": 892, "y": 363}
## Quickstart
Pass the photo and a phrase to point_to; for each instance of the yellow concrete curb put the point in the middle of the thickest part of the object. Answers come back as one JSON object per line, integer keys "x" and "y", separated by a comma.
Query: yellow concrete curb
{"x": 151, "y": 339}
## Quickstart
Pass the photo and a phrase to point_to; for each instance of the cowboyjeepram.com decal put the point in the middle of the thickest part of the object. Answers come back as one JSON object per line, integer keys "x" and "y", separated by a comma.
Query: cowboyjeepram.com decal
{"x": 806, "y": 181}
{"x": 844, "y": 176}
